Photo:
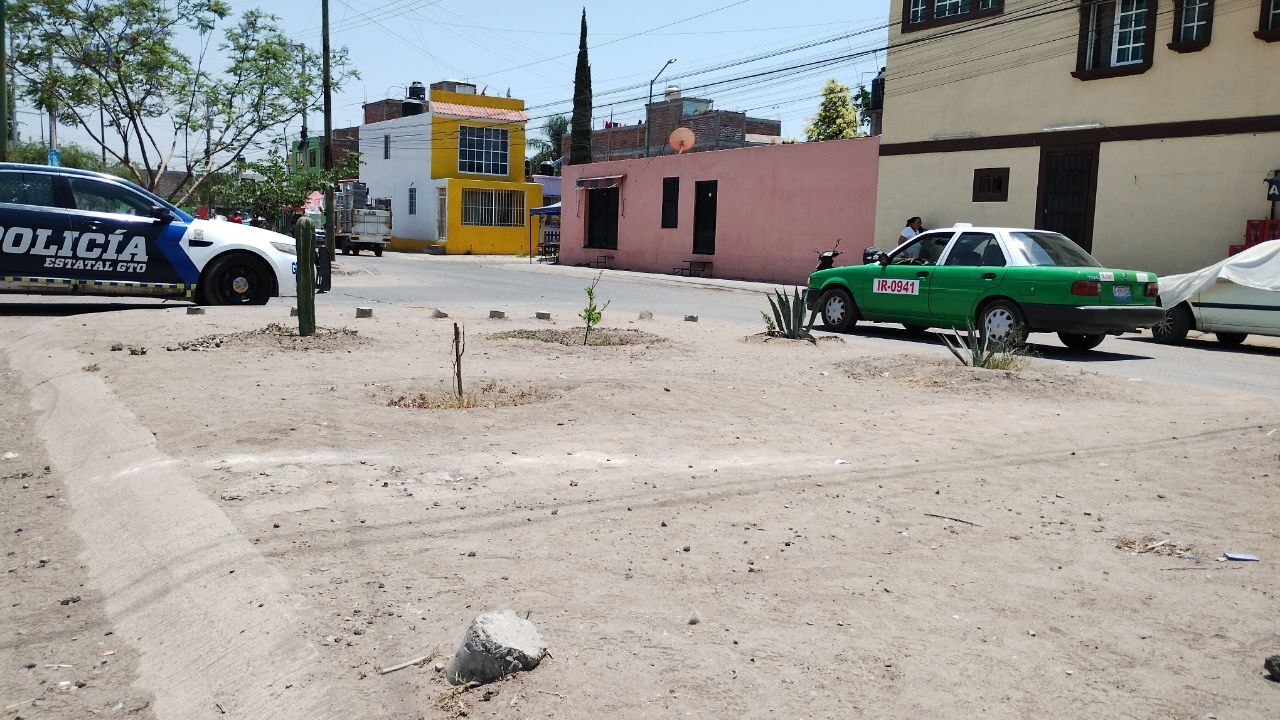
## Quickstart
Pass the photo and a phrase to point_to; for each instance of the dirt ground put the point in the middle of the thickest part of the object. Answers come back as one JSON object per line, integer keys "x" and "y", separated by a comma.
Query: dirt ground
{"x": 703, "y": 527}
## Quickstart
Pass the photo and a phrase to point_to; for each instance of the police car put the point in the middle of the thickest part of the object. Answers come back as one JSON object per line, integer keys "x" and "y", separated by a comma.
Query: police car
{"x": 78, "y": 232}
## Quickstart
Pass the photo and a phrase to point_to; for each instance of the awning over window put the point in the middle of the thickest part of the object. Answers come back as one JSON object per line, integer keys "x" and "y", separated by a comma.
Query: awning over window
{"x": 600, "y": 183}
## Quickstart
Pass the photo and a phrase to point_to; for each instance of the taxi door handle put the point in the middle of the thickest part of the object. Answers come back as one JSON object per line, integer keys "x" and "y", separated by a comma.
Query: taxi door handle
{"x": 922, "y": 274}
{"x": 989, "y": 276}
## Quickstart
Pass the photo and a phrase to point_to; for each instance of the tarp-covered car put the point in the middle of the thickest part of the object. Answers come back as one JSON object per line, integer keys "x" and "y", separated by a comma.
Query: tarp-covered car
{"x": 68, "y": 231}
{"x": 1232, "y": 299}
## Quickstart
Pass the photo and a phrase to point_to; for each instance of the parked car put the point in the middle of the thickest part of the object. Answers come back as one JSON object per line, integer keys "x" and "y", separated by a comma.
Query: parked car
{"x": 1006, "y": 282}
{"x": 1232, "y": 299}
{"x": 71, "y": 231}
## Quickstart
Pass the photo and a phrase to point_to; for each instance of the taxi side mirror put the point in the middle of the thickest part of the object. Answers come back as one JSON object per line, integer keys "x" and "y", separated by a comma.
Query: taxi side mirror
{"x": 161, "y": 213}
{"x": 883, "y": 259}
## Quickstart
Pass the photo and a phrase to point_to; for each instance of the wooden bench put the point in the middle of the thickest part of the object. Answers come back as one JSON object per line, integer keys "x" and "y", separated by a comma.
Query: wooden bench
{"x": 693, "y": 268}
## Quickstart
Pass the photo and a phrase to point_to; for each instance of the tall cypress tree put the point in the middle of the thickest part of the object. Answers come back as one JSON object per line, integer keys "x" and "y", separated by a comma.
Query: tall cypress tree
{"x": 580, "y": 134}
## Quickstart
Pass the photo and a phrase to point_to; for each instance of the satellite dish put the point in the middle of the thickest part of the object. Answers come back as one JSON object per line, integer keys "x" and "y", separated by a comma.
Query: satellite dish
{"x": 681, "y": 139}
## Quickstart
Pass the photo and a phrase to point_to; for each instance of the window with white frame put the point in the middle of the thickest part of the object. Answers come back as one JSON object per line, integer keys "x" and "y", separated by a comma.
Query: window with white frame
{"x": 915, "y": 12}
{"x": 1117, "y": 36}
{"x": 1192, "y": 22}
{"x": 1130, "y": 32}
{"x": 482, "y": 150}
{"x": 493, "y": 208}
{"x": 920, "y": 14}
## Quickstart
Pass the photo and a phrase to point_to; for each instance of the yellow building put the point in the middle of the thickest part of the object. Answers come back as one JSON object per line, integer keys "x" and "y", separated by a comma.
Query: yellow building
{"x": 1142, "y": 129}
{"x": 452, "y": 163}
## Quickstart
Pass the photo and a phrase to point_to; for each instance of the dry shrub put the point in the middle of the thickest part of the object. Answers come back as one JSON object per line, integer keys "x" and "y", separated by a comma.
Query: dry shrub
{"x": 276, "y": 337}
{"x": 600, "y": 337}
{"x": 489, "y": 394}
{"x": 1152, "y": 545}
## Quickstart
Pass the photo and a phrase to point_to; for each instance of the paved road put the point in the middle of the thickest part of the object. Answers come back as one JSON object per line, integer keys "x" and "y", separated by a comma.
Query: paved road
{"x": 430, "y": 281}
{"x": 502, "y": 283}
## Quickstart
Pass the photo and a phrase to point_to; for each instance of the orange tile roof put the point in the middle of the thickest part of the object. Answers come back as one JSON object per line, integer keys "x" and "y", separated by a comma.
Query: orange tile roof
{"x": 478, "y": 112}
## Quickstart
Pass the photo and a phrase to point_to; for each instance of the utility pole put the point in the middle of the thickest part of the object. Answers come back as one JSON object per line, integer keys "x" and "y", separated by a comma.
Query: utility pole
{"x": 330, "y": 217}
{"x": 648, "y": 121}
{"x": 4, "y": 84}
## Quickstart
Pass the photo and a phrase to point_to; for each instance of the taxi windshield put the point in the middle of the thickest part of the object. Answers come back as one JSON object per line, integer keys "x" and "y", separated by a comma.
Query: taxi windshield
{"x": 1049, "y": 249}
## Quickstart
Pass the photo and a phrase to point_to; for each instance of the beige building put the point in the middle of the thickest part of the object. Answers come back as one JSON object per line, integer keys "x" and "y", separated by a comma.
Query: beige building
{"x": 1142, "y": 129}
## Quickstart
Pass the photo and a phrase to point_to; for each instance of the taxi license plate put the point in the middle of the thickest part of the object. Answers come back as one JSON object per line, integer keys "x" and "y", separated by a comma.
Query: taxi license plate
{"x": 1120, "y": 292}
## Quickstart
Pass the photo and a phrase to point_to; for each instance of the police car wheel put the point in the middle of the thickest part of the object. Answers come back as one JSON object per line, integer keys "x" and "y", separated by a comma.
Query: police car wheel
{"x": 237, "y": 279}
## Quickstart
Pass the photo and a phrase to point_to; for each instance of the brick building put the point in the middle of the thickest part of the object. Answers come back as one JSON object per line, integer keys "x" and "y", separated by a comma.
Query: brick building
{"x": 712, "y": 129}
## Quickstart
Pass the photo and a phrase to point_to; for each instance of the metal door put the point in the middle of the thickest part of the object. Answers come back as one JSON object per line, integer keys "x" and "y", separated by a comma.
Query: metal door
{"x": 704, "y": 217}
{"x": 602, "y": 218}
{"x": 1068, "y": 187}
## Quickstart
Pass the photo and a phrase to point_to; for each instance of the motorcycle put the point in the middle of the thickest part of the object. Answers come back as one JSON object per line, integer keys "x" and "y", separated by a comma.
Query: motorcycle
{"x": 827, "y": 258}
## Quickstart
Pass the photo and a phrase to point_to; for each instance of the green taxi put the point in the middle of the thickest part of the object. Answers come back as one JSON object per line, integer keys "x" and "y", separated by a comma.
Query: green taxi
{"x": 1006, "y": 282}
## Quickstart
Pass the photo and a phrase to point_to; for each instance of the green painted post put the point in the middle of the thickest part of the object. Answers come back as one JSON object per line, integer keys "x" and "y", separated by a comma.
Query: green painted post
{"x": 305, "y": 233}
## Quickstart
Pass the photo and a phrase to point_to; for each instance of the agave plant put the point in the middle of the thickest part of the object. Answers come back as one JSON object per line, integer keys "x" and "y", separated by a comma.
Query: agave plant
{"x": 788, "y": 316}
{"x": 973, "y": 349}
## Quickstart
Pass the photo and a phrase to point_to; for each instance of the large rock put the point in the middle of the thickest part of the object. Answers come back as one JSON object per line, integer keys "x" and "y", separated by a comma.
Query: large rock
{"x": 497, "y": 643}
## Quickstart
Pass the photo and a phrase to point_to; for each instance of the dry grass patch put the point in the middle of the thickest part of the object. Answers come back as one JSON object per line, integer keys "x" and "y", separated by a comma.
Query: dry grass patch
{"x": 936, "y": 374}
{"x": 276, "y": 337}
{"x": 489, "y": 394}
{"x": 1151, "y": 545}
{"x": 600, "y": 337}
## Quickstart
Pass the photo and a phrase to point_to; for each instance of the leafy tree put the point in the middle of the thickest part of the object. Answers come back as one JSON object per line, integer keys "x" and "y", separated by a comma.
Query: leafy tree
{"x": 164, "y": 109}
{"x": 837, "y": 116}
{"x": 73, "y": 156}
{"x": 549, "y": 148}
{"x": 580, "y": 135}
{"x": 268, "y": 187}
{"x": 862, "y": 103}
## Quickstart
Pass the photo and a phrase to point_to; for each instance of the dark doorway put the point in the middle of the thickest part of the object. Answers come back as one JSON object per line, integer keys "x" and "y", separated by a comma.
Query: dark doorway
{"x": 602, "y": 218}
{"x": 704, "y": 217}
{"x": 1068, "y": 188}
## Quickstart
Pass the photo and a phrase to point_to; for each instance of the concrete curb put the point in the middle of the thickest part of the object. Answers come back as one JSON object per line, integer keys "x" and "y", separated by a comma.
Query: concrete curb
{"x": 212, "y": 619}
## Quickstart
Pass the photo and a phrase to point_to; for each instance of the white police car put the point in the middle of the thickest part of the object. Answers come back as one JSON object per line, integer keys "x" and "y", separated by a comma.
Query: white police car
{"x": 79, "y": 232}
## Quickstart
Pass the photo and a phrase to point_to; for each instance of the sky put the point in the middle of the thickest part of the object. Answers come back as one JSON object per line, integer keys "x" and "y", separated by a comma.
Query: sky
{"x": 530, "y": 49}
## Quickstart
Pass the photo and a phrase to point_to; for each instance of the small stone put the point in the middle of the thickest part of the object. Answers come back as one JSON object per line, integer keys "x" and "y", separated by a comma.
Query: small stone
{"x": 1032, "y": 633}
{"x": 438, "y": 313}
{"x": 471, "y": 554}
{"x": 662, "y": 524}
{"x": 117, "y": 347}
{"x": 646, "y": 315}
{"x": 195, "y": 311}
{"x": 358, "y": 631}
{"x": 691, "y": 318}
{"x": 381, "y": 585}
{"x": 275, "y": 525}
{"x": 573, "y": 483}
{"x": 497, "y": 315}
{"x": 364, "y": 312}
{"x": 496, "y": 644}
{"x": 542, "y": 316}
{"x": 684, "y": 549}
{"x": 1272, "y": 666}
{"x": 694, "y": 619}
{"x": 69, "y": 600}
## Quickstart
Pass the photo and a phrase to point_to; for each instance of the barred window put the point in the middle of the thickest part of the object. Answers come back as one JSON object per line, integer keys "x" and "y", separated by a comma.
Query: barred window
{"x": 493, "y": 208}
{"x": 916, "y": 11}
{"x": 482, "y": 150}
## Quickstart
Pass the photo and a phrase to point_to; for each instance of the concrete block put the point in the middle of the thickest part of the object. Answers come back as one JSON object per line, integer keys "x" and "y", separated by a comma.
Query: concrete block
{"x": 497, "y": 315}
{"x": 646, "y": 315}
{"x": 497, "y": 644}
{"x": 293, "y": 312}
{"x": 691, "y": 318}
{"x": 195, "y": 311}
{"x": 364, "y": 312}
{"x": 542, "y": 315}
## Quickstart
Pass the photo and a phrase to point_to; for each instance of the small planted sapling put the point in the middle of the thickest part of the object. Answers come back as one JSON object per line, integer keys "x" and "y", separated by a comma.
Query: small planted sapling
{"x": 592, "y": 313}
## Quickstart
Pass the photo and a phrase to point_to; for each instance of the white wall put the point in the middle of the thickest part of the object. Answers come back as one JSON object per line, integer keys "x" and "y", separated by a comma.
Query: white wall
{"x": 409, "y": 166}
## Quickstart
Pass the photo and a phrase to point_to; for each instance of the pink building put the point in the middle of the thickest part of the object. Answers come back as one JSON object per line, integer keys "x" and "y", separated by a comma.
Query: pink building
{"x": 750, "y": 213}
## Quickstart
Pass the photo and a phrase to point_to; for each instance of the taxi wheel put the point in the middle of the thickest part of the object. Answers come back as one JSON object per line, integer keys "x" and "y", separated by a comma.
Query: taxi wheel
{"x": 236, "y": 279}
{"x": 839, "y": 314}
{"x": 1173, "y": 329}
{"x": 917, "y": 330}
{"x": 1076, "y": 341}
{"x": 1002, "y": 322}
{"x": 1230, "y": 339}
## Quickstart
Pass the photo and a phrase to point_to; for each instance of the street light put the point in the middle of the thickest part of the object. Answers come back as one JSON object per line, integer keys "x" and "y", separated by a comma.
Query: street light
{"x": 647, "y": 122}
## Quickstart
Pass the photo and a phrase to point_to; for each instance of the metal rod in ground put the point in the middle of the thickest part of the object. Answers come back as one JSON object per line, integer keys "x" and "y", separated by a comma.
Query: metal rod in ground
{"x": 330, "y": 218}
{"x": 305, "y": 233}
{"x": 457, "y": 360}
